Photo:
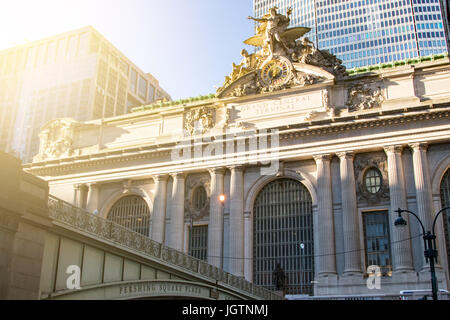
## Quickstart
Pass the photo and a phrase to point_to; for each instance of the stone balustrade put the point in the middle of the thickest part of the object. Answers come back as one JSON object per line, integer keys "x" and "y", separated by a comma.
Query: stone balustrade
{"x": 85, "y": 222}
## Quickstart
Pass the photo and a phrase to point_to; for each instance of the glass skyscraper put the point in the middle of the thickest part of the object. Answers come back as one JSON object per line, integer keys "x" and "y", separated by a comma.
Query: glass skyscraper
{"x": 368, "y": 32}
{"x": 78, "y": 74}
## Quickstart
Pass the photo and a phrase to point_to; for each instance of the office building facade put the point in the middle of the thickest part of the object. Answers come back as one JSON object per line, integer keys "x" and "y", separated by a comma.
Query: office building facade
{"x": 78, "y": 74}
{"x": 369, "y": 32}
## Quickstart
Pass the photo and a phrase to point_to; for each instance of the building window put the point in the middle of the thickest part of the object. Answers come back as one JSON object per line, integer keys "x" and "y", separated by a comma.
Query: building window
{"x": 30, "y": 57}
{"x": 377, "y": 240}
{"x": 445, "y": 201}
{"x": 60, "y": 50}
{"x": 133, "y": 80}
{"x": 94, "y": 44}
{"x": 51, "y": 52}
{"x": 72, "y": 49}
{"x": 124, "y": 67}
{"x": 142, "y": 87}
{"x": 40, "y": 55}
{"x": 373, "y": 180}
{"x": 131, "y": 212}
{"x": 198, "y": 242}
{"x": 83, "y": 43}
{"x": 283, "y": 233}
{"x": 151, "y": 93}
{"x": 199, "y": 198}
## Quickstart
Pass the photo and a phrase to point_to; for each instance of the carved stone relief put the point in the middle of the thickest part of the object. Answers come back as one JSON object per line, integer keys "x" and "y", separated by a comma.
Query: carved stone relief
{"x": 192, "y": 183}
{"x": 199, "y": 120}
{"x": 364, "y": 97}
{"x": 56, "y": 139}
{"x": 283, "y": 60}
{"x": 362, "y": 163}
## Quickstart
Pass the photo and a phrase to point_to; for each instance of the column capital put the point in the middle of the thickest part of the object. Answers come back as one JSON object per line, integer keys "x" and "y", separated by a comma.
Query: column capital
{"x": 160, "y": 177}
{"x": 93, "y": 185}
{"x": 178, "y": 175}
{"x": 238, "y": 167}
{"x": 346, "y": 155}
{"x": 393, "y": 149}
{"x": 418, "y": 146}
{"x": 79, "y": 186}
{"x": 217, "y": 170}
{"x": 322, "y": 157}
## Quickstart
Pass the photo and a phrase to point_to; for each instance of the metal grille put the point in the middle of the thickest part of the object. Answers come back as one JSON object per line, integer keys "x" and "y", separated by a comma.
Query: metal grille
{"x": 198, "y": 242}
{"x": 283, "y": 233}
{"x": 131, "y": 212}
{"x": 376, "y": 234}
{"x": 445, "y": 200}
{"x": 199, "y": 198}
{"x": 372, "y": 180}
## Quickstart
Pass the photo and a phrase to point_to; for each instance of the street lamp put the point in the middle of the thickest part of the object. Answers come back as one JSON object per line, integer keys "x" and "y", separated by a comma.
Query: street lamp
{"x": 429, "y": 239}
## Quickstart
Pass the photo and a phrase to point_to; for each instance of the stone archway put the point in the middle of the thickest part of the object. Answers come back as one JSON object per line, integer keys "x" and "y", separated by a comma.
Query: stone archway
{"x": 445, "y": 202}
{"x": 115, "y": 199}
{"x": 283, "y": 232}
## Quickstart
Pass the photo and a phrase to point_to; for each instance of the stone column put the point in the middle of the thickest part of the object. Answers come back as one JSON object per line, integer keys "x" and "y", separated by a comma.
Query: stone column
{"x": 237, "y": 221}
{"x": 400, "y": 236}
{"x": 177, "y": 212}
{"x": 352, "y": 255}
{"x": 80, "y": 195}
{"x": 424, "y": 193}
{"x": 326, "y": 247}
{"x": 248, "y": 243}
{"x": 93, "y": 197}
{"x": 159, "y": 209}
{"x": 215, "y": 227}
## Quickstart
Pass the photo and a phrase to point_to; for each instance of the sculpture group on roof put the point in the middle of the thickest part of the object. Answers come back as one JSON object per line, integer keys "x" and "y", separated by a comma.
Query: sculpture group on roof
{"x": 275, "y": 64}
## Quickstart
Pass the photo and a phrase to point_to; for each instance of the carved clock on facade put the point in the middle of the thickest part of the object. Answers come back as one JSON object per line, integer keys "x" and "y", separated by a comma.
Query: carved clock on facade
{"x": 276, "y": 72}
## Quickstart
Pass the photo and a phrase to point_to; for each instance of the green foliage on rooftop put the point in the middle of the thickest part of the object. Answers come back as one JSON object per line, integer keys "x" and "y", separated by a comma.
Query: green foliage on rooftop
{"x": 383, "y": 66}
{"x": 161, "y": 104}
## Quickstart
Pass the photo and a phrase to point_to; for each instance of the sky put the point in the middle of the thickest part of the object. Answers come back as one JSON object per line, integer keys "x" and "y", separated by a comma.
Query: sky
{"x": 188, "y": 45}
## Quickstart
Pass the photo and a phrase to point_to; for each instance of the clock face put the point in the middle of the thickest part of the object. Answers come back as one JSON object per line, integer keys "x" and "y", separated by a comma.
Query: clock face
{"x": 276, "y": 72}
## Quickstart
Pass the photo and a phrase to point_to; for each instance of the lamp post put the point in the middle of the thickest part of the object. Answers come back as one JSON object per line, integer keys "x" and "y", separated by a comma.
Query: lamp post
{"x": 429, "y": 239}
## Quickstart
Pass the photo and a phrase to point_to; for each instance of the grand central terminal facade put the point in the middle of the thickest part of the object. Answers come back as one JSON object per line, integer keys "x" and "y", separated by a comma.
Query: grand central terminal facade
{"x": 294, "y": 162}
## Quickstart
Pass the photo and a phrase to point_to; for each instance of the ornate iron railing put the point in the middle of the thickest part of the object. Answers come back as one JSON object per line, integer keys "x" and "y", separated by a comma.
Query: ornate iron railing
{"x": 79, "y": 219}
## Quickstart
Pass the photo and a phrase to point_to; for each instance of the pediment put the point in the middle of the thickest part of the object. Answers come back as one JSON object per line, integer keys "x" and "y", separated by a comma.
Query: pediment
{"x": 282, "y": 61}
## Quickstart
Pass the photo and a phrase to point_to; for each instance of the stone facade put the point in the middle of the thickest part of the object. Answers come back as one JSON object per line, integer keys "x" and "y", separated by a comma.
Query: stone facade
{"x": 23, "y": 226}
{"x": 324, "y": 135}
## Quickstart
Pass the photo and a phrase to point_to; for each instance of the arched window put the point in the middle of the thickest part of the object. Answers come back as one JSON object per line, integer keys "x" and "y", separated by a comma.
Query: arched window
{"x": 445, "y": 201}
{"x": 283, "y": 233}
{"x": 131, "y": 212}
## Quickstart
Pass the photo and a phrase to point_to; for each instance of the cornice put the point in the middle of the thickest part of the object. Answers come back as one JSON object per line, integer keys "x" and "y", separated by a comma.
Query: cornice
{"x": 285, "y": 133}
{"x": 357, "y": 124}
